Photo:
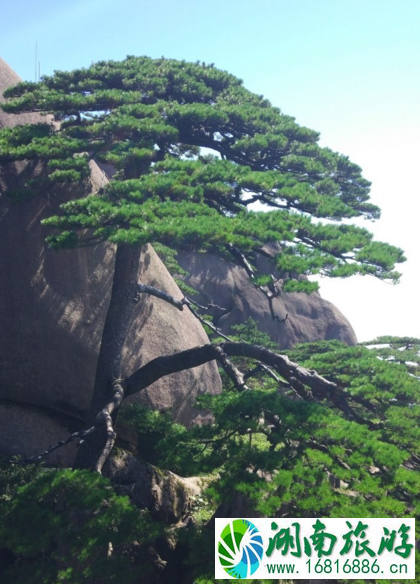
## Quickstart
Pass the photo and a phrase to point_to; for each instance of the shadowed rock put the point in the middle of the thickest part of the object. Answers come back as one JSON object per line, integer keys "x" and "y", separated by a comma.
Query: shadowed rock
{"x": 166, "y": 495}
{"x": 52, "y": 310}
{"x": 53, "y": 306}
{"x": 300, "y": 317}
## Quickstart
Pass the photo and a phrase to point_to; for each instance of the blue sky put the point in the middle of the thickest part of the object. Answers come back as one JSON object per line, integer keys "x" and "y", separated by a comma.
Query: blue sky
{"x": 349, "y": 69}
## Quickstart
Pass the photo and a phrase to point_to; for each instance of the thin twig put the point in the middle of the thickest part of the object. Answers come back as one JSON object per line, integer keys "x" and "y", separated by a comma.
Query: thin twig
{"x": 187, "y": 302}
{"x": 145, "y": 289}
{"x": 37, "y": 458}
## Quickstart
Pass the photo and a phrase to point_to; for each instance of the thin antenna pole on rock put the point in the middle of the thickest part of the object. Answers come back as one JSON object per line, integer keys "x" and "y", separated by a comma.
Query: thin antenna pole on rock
{"x": 36, "y": 57}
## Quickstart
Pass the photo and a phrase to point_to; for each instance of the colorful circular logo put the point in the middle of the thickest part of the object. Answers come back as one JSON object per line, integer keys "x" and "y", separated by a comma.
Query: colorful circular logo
{"x": 240, "y": 548}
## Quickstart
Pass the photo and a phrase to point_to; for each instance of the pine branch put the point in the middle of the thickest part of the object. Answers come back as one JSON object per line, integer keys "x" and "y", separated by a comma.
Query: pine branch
{"x": 104, "y": 418}
{"x": 242, "y": 260}
{"x": 188, "y": 302}
{"x": 144, "y": 289}
{"x": 234, "y": 373}
{"x": 179, "y": 304}
{"x": 262, "y": 367}
{"x": 306, "y": 383}
{"x": 82, "y": 434}
{"x": 208, "y": 308}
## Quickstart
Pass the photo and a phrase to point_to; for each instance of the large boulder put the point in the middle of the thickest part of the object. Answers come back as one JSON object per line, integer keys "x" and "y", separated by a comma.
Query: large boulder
{"x": 53, "y": 306}
{"x": 52, "y": 310}
{"x": 298, "y": 317}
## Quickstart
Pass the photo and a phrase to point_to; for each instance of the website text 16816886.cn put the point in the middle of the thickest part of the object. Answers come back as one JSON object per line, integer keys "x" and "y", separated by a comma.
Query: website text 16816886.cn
{"x": 363, "y": 568}
{"x": 315, "y": 548}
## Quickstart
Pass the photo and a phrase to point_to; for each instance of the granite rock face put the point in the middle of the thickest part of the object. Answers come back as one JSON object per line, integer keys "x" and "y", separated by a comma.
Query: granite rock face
{"x": 166, "y": 495}
{"x": 53, "y": 306}
{"x": 300, "y": 317}
{"x": 52, "y": 310}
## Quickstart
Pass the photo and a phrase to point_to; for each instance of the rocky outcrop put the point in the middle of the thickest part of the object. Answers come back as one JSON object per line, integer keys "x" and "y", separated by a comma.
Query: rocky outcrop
{"x": 52, "y": 310}
{"x": 53, "y": 306}
{"x": 167, "y": 496}
{"x": 300, "y": 317}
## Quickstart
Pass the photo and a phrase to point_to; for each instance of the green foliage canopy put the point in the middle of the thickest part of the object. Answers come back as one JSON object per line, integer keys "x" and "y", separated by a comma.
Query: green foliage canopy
{"x": 303, "y": 458}
{"x": 70, "y": 526}
{"x": 285, "y": 456}
{"x": 375, "y": 460}
{"x": 193, "y": 149}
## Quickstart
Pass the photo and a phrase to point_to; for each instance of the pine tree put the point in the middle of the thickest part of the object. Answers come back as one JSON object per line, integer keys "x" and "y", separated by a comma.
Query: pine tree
{"x": 193, "y": 150}
{"x": 280, "y": 453}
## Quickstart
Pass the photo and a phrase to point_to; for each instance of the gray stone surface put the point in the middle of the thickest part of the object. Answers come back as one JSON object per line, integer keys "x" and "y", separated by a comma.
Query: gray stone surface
{"x": 309, "y": 317}
{"x": 53, "y": 305}
{"x": 29, "y": 430}
{"x": 161, "y": 329}
{"x": 166, "y": 495}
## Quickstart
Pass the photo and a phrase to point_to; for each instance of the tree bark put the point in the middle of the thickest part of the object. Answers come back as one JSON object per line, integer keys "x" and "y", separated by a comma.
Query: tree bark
{"x": 305, "y": 382}
{"x": 108, "y": 391}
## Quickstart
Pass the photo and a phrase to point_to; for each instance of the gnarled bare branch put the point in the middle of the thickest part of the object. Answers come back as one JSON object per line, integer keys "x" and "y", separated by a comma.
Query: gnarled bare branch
{"x": 82, "y": 434}
{"x": 188, "y": 303}
{"x": 306, "y": 383}
{"x": 144, "y": 289}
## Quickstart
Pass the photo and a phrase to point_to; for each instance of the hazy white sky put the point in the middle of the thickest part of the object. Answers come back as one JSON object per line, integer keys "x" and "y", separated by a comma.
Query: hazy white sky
{"x": 350, "y": 70}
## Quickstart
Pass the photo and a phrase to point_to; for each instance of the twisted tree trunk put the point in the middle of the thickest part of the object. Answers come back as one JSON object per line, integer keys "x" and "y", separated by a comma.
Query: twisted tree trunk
{"x": 108, "y": 389}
